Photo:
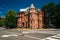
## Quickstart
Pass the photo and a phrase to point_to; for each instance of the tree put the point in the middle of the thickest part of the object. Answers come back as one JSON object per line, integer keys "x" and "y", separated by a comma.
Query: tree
{"x": 49, "y": 10}
{"x": 52, "y": 15}
{"x": 57, "y": 16}
{"x": 10, "y": 19}
{"x": 2, "y": 22}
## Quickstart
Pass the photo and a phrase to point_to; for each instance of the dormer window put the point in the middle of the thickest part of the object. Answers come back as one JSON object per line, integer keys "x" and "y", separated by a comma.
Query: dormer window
{"x": 31, "y": 11}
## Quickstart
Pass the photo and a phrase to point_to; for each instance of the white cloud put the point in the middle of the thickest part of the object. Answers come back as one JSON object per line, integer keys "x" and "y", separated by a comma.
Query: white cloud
{"x": 24, "y": 9}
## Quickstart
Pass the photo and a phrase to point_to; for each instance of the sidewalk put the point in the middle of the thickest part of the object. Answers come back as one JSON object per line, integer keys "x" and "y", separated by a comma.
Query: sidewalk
{"x": 38, "y": 29}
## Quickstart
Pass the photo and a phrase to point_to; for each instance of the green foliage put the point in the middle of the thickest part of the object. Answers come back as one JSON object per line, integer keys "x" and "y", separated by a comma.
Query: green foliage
{"x": 10, "y": 19}
{"x": 1, "y": 22}
{"x": 52, "y": 14}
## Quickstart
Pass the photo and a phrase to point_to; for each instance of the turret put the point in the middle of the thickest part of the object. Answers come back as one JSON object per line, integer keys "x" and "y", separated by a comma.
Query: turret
{"x": 32, "y": 9}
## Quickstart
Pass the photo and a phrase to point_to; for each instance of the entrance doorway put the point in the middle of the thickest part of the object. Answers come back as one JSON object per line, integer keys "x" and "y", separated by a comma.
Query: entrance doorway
{"x": 22, "y": 24}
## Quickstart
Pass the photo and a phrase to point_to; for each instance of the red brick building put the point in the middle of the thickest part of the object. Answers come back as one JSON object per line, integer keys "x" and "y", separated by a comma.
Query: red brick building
{"x": 30, "y": 18}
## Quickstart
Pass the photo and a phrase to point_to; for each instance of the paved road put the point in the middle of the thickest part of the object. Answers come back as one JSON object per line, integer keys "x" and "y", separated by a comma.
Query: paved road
{"x": 6, "y": 34}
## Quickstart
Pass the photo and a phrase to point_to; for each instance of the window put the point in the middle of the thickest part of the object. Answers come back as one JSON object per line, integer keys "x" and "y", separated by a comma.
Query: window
{"x": 32, "y": 22}
{"x": 30, "y": 15}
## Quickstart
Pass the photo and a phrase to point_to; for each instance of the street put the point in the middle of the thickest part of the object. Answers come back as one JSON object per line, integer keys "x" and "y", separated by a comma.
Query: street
{"x": 7, "y": 34}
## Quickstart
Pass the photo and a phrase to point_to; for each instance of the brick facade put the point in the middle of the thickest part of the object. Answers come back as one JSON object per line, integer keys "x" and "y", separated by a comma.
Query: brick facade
{"x": 31, "y": 18}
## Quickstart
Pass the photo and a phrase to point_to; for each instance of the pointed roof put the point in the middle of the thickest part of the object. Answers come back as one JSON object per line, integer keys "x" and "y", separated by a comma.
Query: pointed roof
{"x": 32, "y": 6}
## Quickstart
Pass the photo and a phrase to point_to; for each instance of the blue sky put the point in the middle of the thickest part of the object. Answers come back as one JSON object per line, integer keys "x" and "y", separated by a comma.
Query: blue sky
{"x": 5, "y": 5}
